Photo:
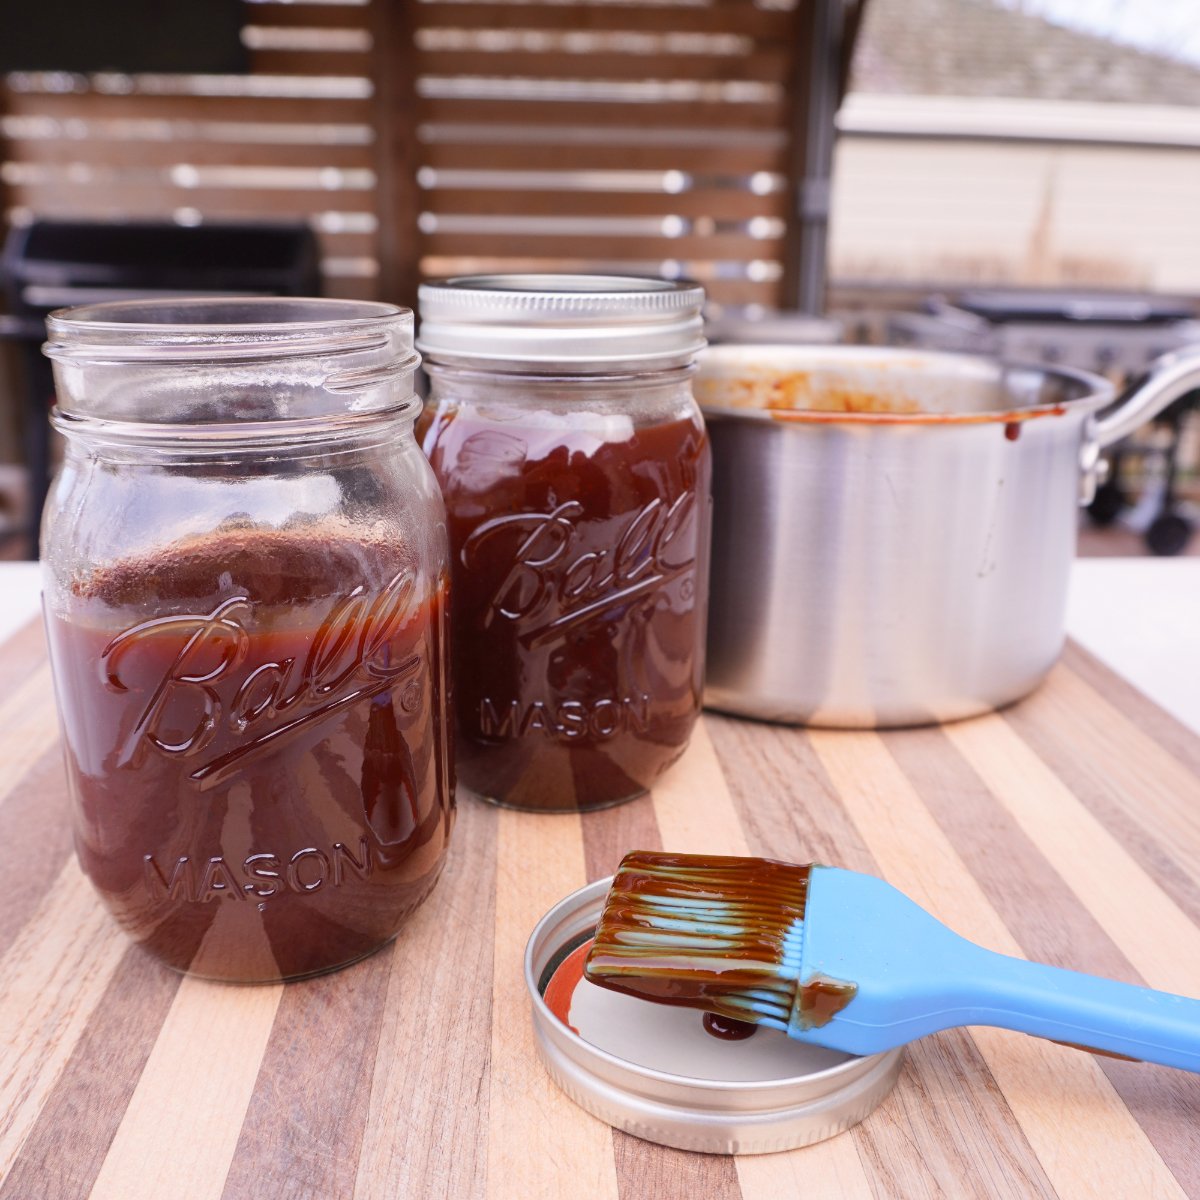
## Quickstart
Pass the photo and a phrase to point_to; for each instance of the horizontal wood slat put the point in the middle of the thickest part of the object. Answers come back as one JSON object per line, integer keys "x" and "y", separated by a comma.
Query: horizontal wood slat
{"x": 167, "y": 152}
{"x": 770, "y": 66}
{"x": 720, "y": 159}
{"x": 311, "y": 62}
{"x": 744, "y": 18}
{"x": 650, "y": 114}
{"x": 148, "y": 199}
{"x": 738, "y": 292}
{"x": 723, "y": 203}
{"x": 98, "y": 105}
{"x": 340, "y": 288}
{"x": 285, "y": 177}
{"x": 287, "y": 15}
{"x": 735, "y": 247}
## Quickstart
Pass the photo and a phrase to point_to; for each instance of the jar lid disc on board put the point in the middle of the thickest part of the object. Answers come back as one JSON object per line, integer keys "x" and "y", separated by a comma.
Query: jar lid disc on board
{"x": 578, "y": 322}
{"x": 652, "y": 1070}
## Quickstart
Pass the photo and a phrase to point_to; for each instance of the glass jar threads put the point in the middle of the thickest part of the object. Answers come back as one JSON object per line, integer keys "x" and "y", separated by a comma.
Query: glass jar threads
{"x": 575, "y": 469}
{"x": 244, "y": 568}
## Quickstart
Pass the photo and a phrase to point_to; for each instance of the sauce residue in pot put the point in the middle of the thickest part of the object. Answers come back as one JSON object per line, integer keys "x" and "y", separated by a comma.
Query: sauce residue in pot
{"x": 798, "y": 392}
{"x": 802, "y": 397}
{"x": 1010, "y": 418}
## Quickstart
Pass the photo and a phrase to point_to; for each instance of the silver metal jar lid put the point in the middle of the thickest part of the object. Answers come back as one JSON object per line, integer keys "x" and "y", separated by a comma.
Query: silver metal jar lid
{"x": 658, "y": 1076}
{"x": 574, "y": 321}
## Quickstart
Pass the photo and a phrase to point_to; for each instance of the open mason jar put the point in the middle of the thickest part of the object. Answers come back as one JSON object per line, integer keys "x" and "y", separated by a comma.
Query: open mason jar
{"x": 244, "y": 568}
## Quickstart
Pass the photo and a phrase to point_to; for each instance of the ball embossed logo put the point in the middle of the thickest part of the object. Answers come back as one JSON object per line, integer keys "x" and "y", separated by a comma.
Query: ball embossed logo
{"x": 351, "y": 657}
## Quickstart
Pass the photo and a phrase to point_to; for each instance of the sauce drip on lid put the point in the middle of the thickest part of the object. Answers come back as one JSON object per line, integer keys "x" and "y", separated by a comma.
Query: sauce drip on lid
{"x": 728, "y": 1029}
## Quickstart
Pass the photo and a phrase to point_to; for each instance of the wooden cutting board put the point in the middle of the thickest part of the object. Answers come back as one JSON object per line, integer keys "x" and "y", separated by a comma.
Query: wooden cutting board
{"x": 1066, "y": 829}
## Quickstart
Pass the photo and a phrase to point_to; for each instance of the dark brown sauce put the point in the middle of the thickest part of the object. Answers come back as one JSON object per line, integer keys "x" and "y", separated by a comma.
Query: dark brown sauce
{"x": 728, "y": 1029}
{"x": 821, "y": 999}
{"x": 771, "y": 897}
{"x": 806, "y": 397}
{"x": 579, "y": 590}
{"x": 254, "y": 729}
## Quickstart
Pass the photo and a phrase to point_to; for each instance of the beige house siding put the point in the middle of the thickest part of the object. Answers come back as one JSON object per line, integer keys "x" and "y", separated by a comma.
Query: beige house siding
{"x": 911, "y": 203}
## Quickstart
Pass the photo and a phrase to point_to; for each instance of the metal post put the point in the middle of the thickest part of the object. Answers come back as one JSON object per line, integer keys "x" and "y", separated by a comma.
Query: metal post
{"x": 818, "y": 90}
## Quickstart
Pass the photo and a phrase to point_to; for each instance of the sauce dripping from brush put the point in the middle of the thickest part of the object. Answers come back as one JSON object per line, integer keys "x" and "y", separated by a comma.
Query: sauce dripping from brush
{"x": 728, "y": 1029}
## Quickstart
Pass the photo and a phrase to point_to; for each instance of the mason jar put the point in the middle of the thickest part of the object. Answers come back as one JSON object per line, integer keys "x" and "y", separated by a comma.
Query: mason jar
{"x": 575, "y": 469}
{"x": 244, "y": 566}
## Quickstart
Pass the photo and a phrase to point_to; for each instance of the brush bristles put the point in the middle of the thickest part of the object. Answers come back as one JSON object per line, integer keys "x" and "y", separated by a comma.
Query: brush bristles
{"x": 722, "y": 934}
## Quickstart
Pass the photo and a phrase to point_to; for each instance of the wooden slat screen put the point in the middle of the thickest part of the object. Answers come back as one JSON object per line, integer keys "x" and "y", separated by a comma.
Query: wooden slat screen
{"x": 425, "y": 137}
{"x": 295, "y": 138}
{"x": 644, "y": 136}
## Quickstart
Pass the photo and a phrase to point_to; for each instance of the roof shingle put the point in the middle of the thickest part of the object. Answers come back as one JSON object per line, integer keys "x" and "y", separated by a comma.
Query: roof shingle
{"x": 978, "y": 48}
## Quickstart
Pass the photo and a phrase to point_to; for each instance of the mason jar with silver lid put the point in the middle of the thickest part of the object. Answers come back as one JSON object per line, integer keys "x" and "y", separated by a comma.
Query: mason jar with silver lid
{"x": 575, "y": 468}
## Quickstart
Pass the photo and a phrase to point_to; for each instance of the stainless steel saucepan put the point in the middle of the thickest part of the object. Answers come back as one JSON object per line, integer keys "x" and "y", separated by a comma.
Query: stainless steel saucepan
{"x": 893, "y": 530}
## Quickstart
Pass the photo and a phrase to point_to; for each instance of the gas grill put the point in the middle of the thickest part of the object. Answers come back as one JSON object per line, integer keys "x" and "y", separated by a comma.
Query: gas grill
{"x": 1118, "y": 335}
{"x": 56, "y": 264}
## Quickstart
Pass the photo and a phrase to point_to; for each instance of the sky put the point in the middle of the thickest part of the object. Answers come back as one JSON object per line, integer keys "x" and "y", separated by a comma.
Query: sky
{"x": 1164, "y": 26}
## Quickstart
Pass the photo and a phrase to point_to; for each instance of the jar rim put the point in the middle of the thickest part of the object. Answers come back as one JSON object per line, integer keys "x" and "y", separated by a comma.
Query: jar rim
{"x": 196, "y": 327}
{"x": 232, "y": 436}
{"x": 204, "y": 360}
{"x": 573, "y": 294}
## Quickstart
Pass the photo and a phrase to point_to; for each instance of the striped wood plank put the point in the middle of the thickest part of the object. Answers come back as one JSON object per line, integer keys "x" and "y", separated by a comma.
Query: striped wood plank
{"x": 1063, "y": 829}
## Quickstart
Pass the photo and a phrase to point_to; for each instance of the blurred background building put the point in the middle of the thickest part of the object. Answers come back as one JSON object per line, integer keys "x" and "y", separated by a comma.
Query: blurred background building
{"x": 982, "y": 144}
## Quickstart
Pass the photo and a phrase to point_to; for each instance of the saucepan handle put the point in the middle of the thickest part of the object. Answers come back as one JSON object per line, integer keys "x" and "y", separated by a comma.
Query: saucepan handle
{"x": 1173, "y": 375}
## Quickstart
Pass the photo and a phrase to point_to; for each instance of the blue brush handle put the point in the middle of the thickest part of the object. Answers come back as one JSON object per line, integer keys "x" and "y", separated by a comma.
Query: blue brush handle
{"x": 1083, "y": 1010}
{"x": 915, "y": 977}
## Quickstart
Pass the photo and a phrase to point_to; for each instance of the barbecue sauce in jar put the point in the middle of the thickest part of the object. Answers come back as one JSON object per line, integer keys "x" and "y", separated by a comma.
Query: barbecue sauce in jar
{"x": 254, "y": 714}
{"x": 257, "y": 767}
{"x": 578, "y": 514}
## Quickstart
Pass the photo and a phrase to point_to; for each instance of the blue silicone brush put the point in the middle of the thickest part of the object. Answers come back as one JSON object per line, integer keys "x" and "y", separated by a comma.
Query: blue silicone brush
{"x": 846, "y": 961}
